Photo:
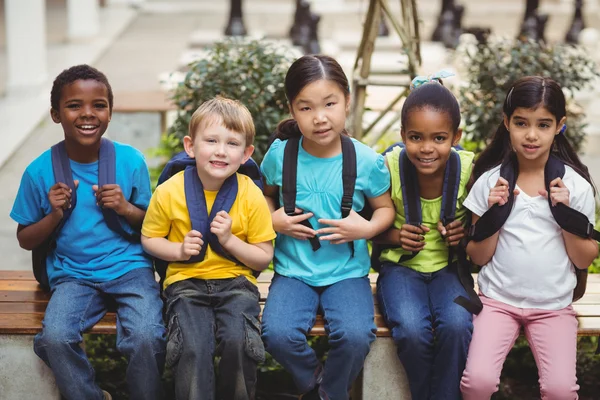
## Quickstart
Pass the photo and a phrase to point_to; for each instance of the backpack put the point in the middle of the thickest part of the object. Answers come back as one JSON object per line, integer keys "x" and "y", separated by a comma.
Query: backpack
{"x": 412, "y": 213}
{"x": 61, "y": 168}
{"x": 196, "y": 204}
{"x": 289, "y": 180}
{"x": 566, "y": 217}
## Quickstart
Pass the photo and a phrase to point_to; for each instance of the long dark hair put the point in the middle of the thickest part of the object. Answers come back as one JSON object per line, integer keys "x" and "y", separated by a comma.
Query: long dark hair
{"x": 304, "y": 71}
{"x": 530, "y": 92}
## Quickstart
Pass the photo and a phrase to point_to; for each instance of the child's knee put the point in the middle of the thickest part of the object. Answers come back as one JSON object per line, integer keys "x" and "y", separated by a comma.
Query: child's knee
{"x": 479, "y": 384}
{"x": 57, "y": 336}
{"x": 280, "y": 337}
{"x": 149, "y": 338}
{"x": 353, "y": 338}
{"x": 559, "y": 388}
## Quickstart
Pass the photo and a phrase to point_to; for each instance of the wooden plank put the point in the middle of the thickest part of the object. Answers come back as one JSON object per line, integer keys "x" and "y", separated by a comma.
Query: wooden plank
{"x": 144, "y": 101}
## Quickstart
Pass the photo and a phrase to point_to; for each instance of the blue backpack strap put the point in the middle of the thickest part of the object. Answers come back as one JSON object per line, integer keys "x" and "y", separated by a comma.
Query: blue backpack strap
{"x": 196, "y": 204}
{"x": 348, "y": 179}
{"x": 410, "y": 196}
{"x": 288, "y": 184}
{"x": 107, "y": 174}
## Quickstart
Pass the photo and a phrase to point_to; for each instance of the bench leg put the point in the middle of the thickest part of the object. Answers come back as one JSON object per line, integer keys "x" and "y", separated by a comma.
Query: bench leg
{"x": 22, "y": 374}
{"x": 383, "y": 376}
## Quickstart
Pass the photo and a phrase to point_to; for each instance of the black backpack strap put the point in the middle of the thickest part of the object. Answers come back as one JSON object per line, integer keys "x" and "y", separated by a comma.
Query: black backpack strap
{"x": 493, "y": 219}
{"x": 472, "y": 302}
{"x": 198, "y": 211}
{"x": 348, "y": 178}
{"x": 450, "y": 188}
{"x": 289, "y": 181}
{"x": 410, "y": 196}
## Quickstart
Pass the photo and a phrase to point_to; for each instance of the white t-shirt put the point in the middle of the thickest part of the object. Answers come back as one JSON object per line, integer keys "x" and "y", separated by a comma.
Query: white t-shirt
{"x": 531, "y": 268}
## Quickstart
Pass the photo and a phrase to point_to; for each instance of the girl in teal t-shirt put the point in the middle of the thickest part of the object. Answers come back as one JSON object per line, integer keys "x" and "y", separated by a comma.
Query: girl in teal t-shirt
{"x": 416, "y": 296}
{"x": 334, "y": 277}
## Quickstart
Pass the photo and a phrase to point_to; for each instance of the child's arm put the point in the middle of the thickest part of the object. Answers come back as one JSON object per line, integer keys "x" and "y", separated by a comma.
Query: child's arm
{"x": 257, "y": 256}
{"x": 355, "y": 227}
{"x": 162, "y": 248}
{"x": 482, "y": 252}
{"x": 581, "y": 251}
{"x": 31, "y": 236}
{"x": 283, "y": 223}
{"x": 111, "y": 196}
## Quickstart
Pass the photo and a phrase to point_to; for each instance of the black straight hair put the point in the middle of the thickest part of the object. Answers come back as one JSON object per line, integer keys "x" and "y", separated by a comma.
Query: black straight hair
{"x": 434, "y": 96}
{"x": 531, "y": 92}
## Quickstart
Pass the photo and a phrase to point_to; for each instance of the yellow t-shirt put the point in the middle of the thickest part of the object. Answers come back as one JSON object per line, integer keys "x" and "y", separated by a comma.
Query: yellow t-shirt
{"x": 168, "y": 216}
{"x": 434, "y": 256}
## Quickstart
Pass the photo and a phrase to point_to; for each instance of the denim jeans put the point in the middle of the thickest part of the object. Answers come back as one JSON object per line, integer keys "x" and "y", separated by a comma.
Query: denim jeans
{"x": 209, "y": 318}
{"x": 289, "y": 315}
{"x": 431, "y": 332}
{"x": 76, "y": 305}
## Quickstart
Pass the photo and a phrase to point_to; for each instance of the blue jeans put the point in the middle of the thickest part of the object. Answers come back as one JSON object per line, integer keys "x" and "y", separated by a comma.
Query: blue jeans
{"x": 209, "y": 318}
{"x": 431, "y": 332}
{"x": 77, "y": 305}
{"x": 289, "y": 315}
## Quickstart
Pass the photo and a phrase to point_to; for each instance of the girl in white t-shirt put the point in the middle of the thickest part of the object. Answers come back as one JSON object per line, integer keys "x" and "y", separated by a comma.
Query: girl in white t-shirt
{"x": 528, "y": 273}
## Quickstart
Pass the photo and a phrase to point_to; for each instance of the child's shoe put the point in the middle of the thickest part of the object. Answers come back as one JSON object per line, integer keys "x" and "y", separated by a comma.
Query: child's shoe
{"x": 107, "y": 395}
{"x": 312, "y": 394}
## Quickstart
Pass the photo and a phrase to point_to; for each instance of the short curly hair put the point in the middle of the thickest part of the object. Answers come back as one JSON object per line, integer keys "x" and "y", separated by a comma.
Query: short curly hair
{"x": 75, "y": 73}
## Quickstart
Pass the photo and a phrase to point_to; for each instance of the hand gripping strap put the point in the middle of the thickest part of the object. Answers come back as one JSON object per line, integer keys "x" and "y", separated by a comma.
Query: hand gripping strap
{"x": 196, "y": 204}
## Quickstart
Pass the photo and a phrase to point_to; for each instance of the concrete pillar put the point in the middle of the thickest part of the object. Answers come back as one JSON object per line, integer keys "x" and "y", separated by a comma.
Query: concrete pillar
{"x": 22, "y": 374}
{"x": 25, "y": 43}
{"x": 83, "y": 19}
{"x": 383, "y": 376}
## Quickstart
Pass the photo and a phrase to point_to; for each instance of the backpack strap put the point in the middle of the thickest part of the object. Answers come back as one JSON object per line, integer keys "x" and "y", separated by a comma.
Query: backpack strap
{"x": 348, "y": 178}
{"x": 196, "y": 204}
{"x": 288, "y": 186}
{"x": 107, "y": 174}
{"x": 410, "y": 196}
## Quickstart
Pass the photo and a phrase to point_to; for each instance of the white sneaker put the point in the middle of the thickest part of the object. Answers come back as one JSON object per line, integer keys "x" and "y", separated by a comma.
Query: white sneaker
{"x": 107, "y": 395}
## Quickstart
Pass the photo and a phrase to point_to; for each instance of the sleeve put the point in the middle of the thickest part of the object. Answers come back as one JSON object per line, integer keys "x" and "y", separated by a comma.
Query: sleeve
{"x": 141, "y": 190}
{"x": 30, "y": 205}
{"x": 271, "y": 166}
{"x": 157, "y": 222}
{"x": 379, "y": 178}
{"x": 582, "y": 200}
{"x": 477, "y": 199}
{"x": 260, "y": 225}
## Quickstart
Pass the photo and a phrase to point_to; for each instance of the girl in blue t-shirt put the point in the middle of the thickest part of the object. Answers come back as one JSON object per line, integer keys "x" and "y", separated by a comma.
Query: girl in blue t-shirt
{"x": 321, "y": 257}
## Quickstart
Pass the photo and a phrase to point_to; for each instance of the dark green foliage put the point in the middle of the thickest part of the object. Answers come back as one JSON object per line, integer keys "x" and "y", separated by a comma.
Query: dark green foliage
{"x": 492, "y": 68}
{"x": 252, "y": 72}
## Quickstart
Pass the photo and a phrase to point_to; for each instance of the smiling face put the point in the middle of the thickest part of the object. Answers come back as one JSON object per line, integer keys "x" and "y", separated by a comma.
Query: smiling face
{"x": 532, "y": 133}
{"x": 218, "y": 151}
{"x": 320, "y": 109}
{"x": 83, "y": 112}
{"x": 429, "y": 137}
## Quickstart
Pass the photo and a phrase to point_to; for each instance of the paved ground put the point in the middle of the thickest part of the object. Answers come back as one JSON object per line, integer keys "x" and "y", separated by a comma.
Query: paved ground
{"x": 160, "y": 35}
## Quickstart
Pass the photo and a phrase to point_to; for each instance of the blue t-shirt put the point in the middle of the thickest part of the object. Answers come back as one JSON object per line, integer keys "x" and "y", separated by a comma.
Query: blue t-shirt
{"x": 86, "y": 247}
{"x": 319, "y": 190}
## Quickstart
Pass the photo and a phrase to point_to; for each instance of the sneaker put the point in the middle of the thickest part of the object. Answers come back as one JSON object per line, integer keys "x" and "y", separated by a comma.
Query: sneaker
{"x": 107, "y": 395}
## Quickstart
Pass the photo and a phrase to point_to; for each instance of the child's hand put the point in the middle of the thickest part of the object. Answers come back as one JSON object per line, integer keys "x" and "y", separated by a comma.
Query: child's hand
{"x": 344, "y": 230}
{"x": 559, "y": 193}
{"x": 111, "y": 196}
{"x": 291, "y": 225}
{"x": 452, "y": 232}
{"x": 191, "y": 246}
{"x": 221, "y": 226}
{"x": 412, "y": 237}
{"x": 499, "y": 193}
{"x": 59, "y": 197}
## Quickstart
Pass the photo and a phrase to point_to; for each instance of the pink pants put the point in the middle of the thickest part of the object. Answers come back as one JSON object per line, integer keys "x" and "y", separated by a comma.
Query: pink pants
{"x": 552, "y": 336}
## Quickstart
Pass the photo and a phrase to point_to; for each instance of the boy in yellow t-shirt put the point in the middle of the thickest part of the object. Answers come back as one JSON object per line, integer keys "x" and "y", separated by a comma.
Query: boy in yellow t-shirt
{"x": 212, "y": 301}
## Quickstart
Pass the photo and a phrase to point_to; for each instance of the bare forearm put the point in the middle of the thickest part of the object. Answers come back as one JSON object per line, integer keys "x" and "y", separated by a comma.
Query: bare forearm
{"x": 33, "y": 235}
{"x": 481, "y": 252}
{"x": 162, "y": 248}
{"x": 134, "y": 216}
{"x": 256, "y": 256}
{"x": 581, "y": 251}
{"x": 389, "y": 236}
{"x": 382, "y": 219}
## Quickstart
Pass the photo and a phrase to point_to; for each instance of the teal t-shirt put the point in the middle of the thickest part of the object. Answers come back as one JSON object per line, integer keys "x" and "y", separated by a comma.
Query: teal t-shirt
{"x": 319, "y": 190}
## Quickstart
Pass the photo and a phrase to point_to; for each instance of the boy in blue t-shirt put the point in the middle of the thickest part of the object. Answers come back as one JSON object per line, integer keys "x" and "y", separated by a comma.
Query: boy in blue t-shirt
{"x": 92, "y": 266}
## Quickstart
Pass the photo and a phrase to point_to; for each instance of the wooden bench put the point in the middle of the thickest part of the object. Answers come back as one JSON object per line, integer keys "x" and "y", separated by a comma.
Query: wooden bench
{"x": 144, "y": 102}
{"x": 23, "y": 303}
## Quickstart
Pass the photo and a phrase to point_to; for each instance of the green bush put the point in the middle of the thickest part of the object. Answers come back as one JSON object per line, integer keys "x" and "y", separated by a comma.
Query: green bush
{"x": 252, "y": 72}
{"x": 491, "y": 69}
